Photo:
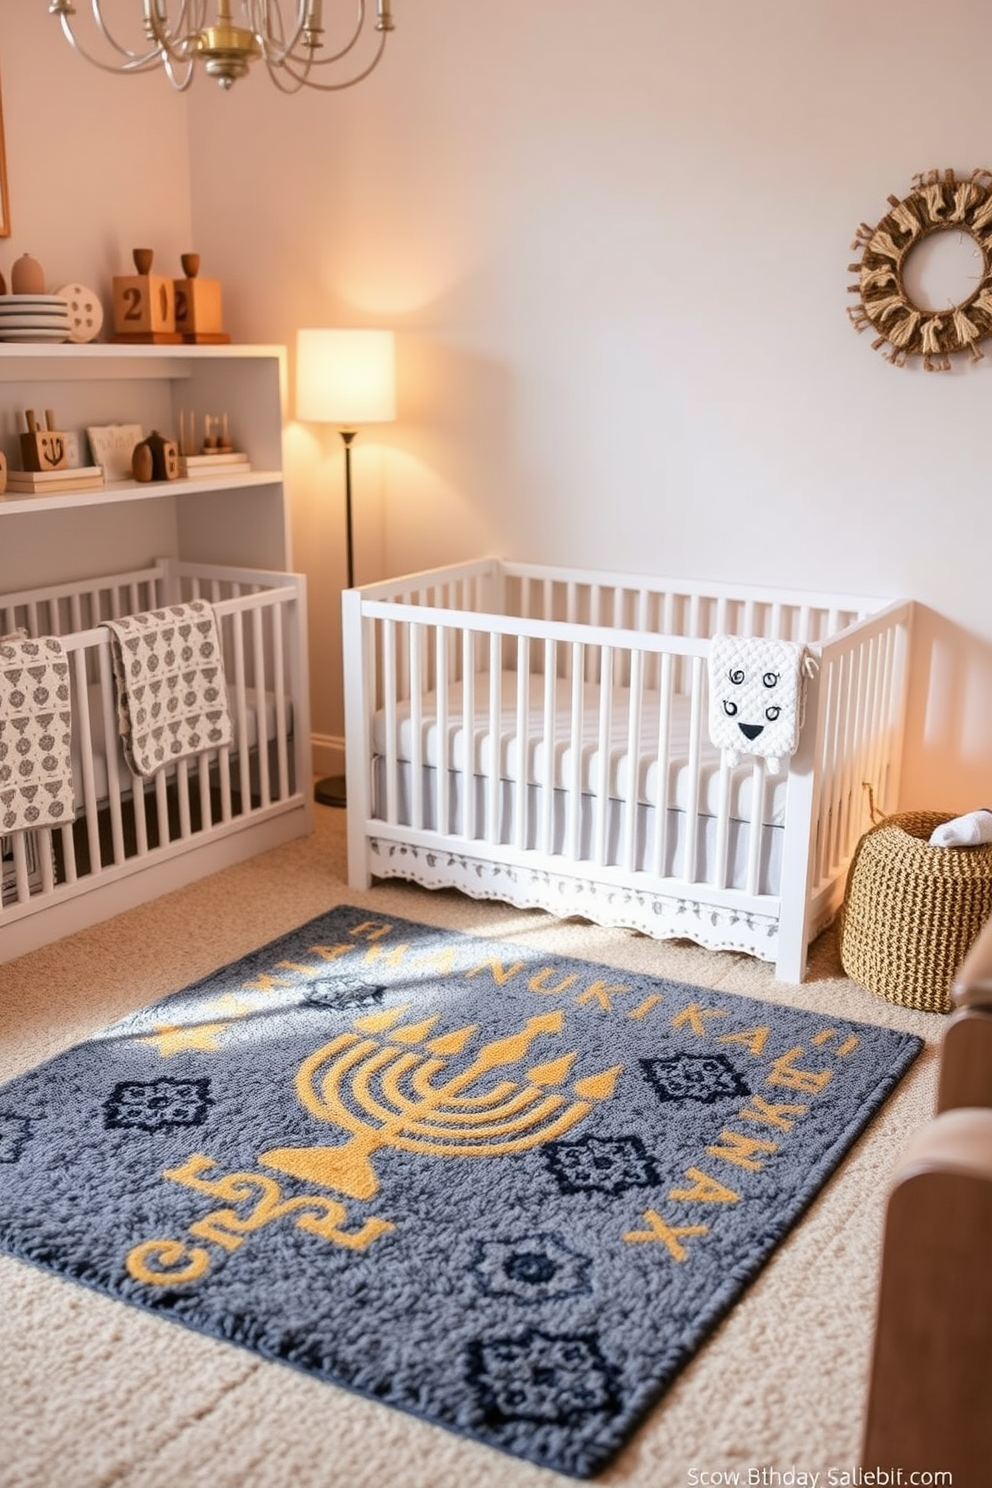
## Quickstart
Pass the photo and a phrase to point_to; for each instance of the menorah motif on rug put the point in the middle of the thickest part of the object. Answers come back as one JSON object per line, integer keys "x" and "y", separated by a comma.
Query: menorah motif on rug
{"x": 506, "y": 1191}
{"x": 362, "y": 1086}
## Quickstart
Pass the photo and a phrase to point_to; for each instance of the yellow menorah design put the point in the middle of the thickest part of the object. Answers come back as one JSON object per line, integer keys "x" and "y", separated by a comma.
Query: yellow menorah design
{"x": 384, "y": 1093}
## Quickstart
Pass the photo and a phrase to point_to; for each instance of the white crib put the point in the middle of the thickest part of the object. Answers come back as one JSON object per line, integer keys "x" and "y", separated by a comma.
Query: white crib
{"x": 539, "y": 736}
{"x": 133, "y": 839}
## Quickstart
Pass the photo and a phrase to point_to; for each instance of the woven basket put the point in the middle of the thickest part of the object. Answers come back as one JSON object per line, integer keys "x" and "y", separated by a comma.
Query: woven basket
{"x": 911, "y": 911}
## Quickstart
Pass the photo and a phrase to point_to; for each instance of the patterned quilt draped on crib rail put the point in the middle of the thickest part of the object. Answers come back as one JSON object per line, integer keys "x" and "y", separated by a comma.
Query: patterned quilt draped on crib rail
{"x": 171, "y": 689}
{"x": 35, "y": 734}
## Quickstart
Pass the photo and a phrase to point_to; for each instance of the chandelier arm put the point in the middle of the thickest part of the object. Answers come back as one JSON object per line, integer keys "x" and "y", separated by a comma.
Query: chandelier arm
{"x": 191, "y": 19}
{"x": 304, "y": 80}
{"x": 384, "y": 24}
{"x": 277, "y": 76}
{"x": 146, "y": 62}
{"x": 286, "y": 51}
{"x": 181, "y": 84}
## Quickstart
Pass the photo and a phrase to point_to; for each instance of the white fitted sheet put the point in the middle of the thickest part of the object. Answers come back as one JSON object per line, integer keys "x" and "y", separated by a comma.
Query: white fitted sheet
{"x": 742, "y": 781}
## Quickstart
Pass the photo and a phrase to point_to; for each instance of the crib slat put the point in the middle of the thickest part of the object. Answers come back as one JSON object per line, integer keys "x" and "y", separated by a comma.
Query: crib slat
{"x": 468, "y": 736}
{"x": 690, "y": 856}
{"x": 523, "y": 744}
{"x": 140, "y": 818}
{"x": 279, "y": 684}
{"x": 441, "y": 666}
{"x": 550, "y": 745}
{"x": 718, "y": 877}
{"x": 495, "y": 730}
{"x": 635, "y": 706}
{"x": 261, "y": 710}
{"x": 182, "y": 783}
{"x": 573, "y": 835}
{"x": 203, "y": 784}
{"x": 109, "y": 712}
{"x": 665, "y": 693}
{"x": 838, "y": 689}
{"x": 161, "y": 806}
{"x": 82, "y": 715}
{"x": 414, "y": 634}
{"x": 22, "y": 881}
{"x": 390, "y": 681}
{"x": 759, "y": 784}
{"x": 240, "y": 710}
{"x": 602, "y": 783}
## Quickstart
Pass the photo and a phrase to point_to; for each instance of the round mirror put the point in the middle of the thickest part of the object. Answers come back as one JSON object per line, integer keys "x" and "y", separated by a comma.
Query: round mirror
{"x": 943, "y": 270}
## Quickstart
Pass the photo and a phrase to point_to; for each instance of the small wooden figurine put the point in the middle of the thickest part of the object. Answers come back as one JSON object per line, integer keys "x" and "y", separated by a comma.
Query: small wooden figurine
{"x": 198, "y": 305}
{"x": 43, "y": 449}
{"x": 145, "y": 304}
{"x": 155, "y": 458}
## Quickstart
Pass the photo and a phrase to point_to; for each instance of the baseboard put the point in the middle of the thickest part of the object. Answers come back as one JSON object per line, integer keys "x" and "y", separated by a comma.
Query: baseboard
{"x": 327, "y": 752}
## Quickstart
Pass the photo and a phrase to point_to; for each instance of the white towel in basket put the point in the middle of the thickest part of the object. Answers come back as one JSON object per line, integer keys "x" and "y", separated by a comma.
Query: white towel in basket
{"x": 757, "y": 697}
{"x": 35, "y": 734}
{"x": 171, "y": 690}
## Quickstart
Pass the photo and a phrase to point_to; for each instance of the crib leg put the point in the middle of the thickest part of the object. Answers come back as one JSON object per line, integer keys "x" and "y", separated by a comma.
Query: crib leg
{"x": 793, "y": 942}
{"x": 928, "y": 1403}
{"x": 359, "y": 876}
{"x": 791, "y": 963}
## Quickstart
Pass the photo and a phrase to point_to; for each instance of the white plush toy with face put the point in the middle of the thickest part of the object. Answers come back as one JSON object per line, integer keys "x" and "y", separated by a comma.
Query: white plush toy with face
{"x": 757, "y": 695}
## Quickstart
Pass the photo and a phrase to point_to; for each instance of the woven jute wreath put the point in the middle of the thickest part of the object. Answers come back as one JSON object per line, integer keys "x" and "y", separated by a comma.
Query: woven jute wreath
{"x": 940, "y": 201}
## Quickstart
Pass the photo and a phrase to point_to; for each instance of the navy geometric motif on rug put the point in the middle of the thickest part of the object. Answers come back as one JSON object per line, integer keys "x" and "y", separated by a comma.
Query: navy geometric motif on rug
{"x": 506, "y": 1191}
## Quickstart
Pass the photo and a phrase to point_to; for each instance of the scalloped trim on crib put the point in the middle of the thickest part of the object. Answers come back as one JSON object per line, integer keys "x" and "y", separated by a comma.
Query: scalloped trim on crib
{"x": 662, "y": 916}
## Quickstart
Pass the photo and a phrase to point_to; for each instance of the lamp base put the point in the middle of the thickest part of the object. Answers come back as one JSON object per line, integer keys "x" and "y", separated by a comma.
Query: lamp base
{"x": 332, "y": 791}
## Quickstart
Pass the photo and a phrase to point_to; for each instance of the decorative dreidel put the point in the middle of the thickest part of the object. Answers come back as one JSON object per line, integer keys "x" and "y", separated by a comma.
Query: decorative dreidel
{"x": 198, "y": 305}
{"x": 144, "y": 303}
{"x": 155, "y": 458}
{"x": 43, "y": 449}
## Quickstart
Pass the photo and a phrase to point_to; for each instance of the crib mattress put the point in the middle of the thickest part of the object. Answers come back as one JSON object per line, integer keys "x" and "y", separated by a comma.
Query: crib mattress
{"x": 98, "y": 736}
{"x": 655, "y": 785}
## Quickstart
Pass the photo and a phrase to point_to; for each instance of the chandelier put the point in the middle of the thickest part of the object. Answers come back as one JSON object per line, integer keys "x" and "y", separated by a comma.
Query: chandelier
{"x": 293, "y": 53}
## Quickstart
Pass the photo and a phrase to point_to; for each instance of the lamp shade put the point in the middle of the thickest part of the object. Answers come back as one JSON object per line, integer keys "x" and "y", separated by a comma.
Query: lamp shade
{"x": 346, "y": 377}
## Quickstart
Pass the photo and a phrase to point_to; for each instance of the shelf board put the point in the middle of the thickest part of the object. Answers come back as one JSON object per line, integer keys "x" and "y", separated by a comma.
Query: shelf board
{"x": 31, "y": 361}
{"x": 25, "y": 503}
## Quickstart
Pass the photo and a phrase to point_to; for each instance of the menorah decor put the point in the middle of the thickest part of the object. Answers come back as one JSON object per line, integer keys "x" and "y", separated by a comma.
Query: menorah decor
{"x": 385, "y": 1094}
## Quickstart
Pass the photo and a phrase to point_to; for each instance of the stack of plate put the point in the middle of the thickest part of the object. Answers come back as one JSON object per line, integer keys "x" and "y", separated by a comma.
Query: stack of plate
{"x": 34, "y": 318}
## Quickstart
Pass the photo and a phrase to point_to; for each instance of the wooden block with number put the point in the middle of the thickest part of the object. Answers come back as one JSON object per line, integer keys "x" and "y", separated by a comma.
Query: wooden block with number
{"x": 144, "y": 305}
{"x": 198, "y": 309}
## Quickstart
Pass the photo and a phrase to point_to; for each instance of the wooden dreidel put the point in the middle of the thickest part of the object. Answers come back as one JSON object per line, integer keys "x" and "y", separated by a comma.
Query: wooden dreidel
{"x": 155, "y": 458}
{"x": 43, "y": 449}
{"x": 144, "y": 303}
{"x": 198, "y": 305}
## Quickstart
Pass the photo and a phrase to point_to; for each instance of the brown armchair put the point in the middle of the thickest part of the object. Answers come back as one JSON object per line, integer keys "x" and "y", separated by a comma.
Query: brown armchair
{"x": 930, "y": 1392}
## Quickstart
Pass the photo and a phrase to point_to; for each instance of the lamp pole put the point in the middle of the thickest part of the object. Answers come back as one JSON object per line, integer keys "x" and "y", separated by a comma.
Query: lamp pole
{"x": 348, "y": 435}
{"x": 345, "y": 377}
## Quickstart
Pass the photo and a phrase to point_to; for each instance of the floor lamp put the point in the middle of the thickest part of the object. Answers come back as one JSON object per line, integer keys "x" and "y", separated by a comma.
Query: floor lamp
{"x": 346, "y": 378}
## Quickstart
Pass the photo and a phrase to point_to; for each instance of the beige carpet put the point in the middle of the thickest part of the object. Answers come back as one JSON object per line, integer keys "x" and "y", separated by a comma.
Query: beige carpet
{"x": 94, "y": 1394}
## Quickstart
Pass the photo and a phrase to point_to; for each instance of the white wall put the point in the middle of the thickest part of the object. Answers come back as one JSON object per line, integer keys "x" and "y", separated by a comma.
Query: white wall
{"x": 94, "y": 168}
{"x": 614, "y": 240}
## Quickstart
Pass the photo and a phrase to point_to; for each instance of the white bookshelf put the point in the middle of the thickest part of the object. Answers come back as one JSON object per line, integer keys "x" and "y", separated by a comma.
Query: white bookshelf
{"x": 241, "y": 520}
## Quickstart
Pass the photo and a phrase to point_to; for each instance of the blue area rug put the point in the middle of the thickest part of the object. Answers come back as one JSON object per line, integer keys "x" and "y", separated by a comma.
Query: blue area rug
{"x": 505, "y": 1191}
